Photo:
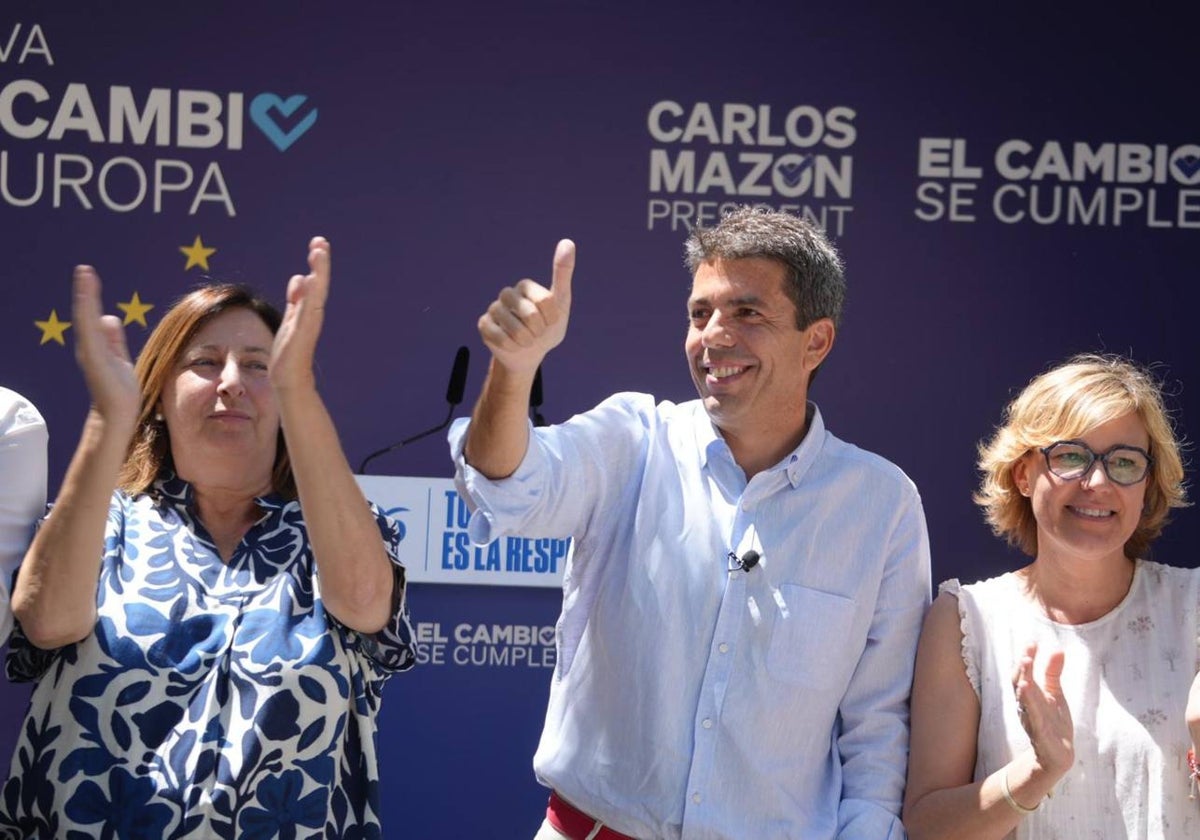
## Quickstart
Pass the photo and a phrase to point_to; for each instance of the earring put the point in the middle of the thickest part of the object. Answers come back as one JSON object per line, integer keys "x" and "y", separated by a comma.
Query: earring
{"x": 158, "y": 418}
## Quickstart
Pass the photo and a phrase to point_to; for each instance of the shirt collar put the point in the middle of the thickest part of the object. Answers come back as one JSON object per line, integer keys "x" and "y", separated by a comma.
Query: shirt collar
{"x": 708, "y": 439}
{"x": 170, "y": 489}
{"x": 795, "y": 463}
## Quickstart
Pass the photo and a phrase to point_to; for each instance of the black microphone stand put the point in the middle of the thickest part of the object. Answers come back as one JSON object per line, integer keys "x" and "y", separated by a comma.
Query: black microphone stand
{"x": 535, "y": 399}
{"x": 454, "y": 396}
{"x": 362, "y": 468}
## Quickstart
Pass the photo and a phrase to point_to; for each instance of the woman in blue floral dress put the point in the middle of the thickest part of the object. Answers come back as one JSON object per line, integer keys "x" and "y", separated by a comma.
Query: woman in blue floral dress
{"x": 209, "y": 614}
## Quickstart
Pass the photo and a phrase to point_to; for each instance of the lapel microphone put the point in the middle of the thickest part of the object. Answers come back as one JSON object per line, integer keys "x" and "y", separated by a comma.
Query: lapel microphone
{"x": 746, "y": 562}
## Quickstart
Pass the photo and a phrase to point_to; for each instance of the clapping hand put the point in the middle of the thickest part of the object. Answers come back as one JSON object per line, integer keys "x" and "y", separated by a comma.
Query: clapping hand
{"x": 102, "y": 353}
{"x": 1044, "y": 713}
{"x": 296, "y": 340}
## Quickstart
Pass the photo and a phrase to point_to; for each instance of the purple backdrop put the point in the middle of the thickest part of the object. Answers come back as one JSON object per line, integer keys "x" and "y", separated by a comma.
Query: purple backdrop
{"x": 1006, "y": 190}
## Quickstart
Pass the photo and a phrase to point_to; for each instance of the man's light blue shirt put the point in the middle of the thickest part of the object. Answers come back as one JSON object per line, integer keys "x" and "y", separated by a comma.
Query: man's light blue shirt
{"x": 692, "y": 699}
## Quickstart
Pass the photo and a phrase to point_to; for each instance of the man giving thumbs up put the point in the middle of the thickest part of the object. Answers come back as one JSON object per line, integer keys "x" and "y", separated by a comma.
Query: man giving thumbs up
{"x": 744, "y": 595}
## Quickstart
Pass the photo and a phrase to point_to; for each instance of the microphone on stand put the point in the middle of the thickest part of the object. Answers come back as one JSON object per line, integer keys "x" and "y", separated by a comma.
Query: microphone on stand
{"x": 454, "y": 396}
{"x": 535, "y": 399}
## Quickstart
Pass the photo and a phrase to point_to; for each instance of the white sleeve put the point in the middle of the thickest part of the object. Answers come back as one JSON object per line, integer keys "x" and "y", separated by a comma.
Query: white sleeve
{"x": 569, "y": 472}
{"x": 22, "y": 488}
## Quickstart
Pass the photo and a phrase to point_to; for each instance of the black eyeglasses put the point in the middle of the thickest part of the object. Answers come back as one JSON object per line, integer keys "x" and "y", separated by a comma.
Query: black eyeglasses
{"x": 1124, "y": 465}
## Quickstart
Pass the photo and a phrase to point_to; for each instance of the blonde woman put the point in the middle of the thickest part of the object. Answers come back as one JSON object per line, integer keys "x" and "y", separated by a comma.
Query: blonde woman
{"x": 1053, "y": 701}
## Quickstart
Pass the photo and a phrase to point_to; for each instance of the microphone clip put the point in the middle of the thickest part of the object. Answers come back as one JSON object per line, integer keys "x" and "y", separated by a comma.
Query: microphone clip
{"x": 744, "y": 563}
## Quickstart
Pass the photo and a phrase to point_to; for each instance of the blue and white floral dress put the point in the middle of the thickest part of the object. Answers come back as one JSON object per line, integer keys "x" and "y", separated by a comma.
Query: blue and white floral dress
{"x": 212, "y": 699}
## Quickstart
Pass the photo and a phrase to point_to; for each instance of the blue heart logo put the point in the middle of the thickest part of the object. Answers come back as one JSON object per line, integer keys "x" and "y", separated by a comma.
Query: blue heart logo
{"x": 262, "y": 114}
{"x": 1188, "y": 165}
{"x": 791, "y": 172}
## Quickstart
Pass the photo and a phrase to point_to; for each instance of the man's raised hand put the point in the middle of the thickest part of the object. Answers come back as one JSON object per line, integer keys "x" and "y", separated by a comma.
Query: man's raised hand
{"x": 527, "y": 321}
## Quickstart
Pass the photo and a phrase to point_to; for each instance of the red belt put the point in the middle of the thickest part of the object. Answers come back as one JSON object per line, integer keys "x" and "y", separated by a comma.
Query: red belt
{"x": 569, "y": 820}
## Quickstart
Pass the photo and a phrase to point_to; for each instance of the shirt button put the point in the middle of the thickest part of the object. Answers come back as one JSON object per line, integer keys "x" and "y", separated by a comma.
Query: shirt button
{"x": 724, "y": 648}
{"x": 696, "y": 798}
{"x": 706, "y": 723}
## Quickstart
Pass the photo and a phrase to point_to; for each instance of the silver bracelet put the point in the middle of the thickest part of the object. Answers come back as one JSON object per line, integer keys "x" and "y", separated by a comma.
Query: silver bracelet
{"x": 1008, "y": 797}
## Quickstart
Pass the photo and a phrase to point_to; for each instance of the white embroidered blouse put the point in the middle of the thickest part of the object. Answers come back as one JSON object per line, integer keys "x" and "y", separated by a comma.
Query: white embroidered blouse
{"x": 1126, "y": 678}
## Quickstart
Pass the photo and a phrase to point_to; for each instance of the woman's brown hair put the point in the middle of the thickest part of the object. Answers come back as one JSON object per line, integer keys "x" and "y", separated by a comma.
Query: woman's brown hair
{"x": 149, "y": 455}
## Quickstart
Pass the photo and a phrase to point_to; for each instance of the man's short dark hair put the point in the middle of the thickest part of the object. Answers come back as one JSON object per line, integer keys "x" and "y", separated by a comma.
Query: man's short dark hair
{"x": 814, "y": 283}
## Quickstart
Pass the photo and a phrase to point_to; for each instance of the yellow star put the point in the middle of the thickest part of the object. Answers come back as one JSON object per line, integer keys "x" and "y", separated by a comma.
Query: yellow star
{"x": 53, "y": 329}
{"x": 135, "y": 310}
{"x": 197, "y": 254}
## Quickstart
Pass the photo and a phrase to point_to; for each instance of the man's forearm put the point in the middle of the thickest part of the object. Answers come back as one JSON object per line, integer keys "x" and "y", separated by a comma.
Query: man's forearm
{"x": 499, "y": 432}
